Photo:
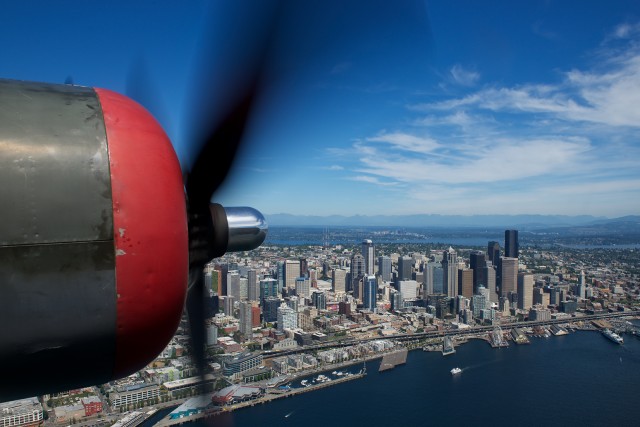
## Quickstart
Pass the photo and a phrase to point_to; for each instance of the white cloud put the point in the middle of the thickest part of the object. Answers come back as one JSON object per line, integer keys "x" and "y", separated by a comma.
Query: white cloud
{"x": 524, "y": 148}
{"x": 623, "y": 31}
{"x": 372, "y": 180}
{"x": 406, "y": 142}
{"x": 608, "y": 94}
{"x": 464, "y": 77}
{"x": 503, "y": 161}
{"x": 335, "y": 168}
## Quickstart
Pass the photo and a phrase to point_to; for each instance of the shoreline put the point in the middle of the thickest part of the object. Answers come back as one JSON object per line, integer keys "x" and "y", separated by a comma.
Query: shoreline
{"x": 333, "y": 367}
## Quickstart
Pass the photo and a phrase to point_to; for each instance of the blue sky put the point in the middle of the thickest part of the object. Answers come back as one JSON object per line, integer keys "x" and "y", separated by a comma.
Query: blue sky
{"x": 449, "y": 107}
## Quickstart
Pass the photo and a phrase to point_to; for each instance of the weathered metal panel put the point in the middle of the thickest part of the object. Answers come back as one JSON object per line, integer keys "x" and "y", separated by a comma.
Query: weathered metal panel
{"x": 57, "y": 316}
{"x": 54, "y": 171}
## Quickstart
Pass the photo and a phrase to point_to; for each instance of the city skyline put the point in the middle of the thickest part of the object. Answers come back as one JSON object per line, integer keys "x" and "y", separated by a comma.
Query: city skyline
{"x": 410, "y": 109}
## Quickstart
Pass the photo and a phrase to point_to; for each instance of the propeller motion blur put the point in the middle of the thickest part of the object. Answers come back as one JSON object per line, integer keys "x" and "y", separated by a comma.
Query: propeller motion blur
{"x": 97, "y": 240}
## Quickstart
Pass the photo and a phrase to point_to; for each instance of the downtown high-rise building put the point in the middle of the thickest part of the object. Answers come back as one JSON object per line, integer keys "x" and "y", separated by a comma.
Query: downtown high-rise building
{"x": 493, "y": 252}
{"x": 304, "y": 267}
{"x": 244, "y": 288}
{"x": 287, "y": 318}
{"x": 465, "y": 282}
{"x": 229, "y": 304}
{"x": 368, "y": 253}
{"x": 450, "y": 273}
{"x": 433, "y": 279}
{"x": 405, "y": 268}
{"x": 509, "y": 275}
{"x": 525, "y": 291}
{"x": 582, "y": 286}
{"x": 280, "y": 267}
{"x": 339, "y": 277}
{"x": 246, "y": 319}
{"x": 233, "y": 285}
{"x": 224, "y": 277}
{"x": 291, "y": 273}
{"x": 477, "y": 263}
{"x": 357, "y": 273}
{"x": 408, "y": 289}
{"x": 370, "y": 296}
{"x": 268, "y": 288}
{"x": 253, "y": 288}
{"x": 270, "y": 309}
{"x": 511, "y": 243}
{"x": 319, "y": 300}
{"x": 303, "y": 287}
{"x": 384, "y": 268}
{"x": 490, "y": 277}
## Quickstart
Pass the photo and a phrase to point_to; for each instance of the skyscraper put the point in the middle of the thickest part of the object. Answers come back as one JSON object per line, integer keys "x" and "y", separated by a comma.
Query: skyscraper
{"x": 339, "y": 276}
{"x": 368, "y": 253}
{"x": 253, "y": 291}
{"x": 233, "y": 285}
{"x": 246, "y": 319}
{"x": 465, "y": 282}
{"x": 224, "y": 285}
{"x": 405, "y": 267}
{"x": 408, "y": 289}
{"x": 384, "y": 268}
{"x": 303, "y": 287}
{"x": 291, "y": 273}
{"x": 268, "y": 288}
{"x": 304, "y": 267}
{"x": 493, "y": 252}
{"x": 370, "y": 293}
{"x": 357, "y": 272}
{"x": 511, "y": 243}
{"x": 229, "y": 305}
{"x": 477, "y": 262}
{"x": 509, "y": 275}
{"x": 525, "y": 291}
{"x": 280, "y": 274}
{"x": 319, "y": 300}
{"x": 490, "y": 277}
{"x": 450, "y": 272}
{"x": 287, "y": 318}
{"x": 270, "y": 309}
{"x": 433, "y": 278}
{"x": 582, "y": 286}
{"x": 244, "y": 288}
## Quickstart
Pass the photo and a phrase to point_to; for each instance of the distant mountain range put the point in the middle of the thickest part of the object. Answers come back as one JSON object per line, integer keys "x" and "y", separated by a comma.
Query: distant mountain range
{"x": 431, "y": 220}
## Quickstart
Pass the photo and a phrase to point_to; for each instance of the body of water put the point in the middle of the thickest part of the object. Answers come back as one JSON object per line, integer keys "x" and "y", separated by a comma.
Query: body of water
{"x": 581, "y": 379}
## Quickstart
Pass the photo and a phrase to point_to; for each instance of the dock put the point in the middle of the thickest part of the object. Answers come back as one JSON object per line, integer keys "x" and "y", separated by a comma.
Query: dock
{"x": 391, "y": 360}
{"x": 267, "y": 397}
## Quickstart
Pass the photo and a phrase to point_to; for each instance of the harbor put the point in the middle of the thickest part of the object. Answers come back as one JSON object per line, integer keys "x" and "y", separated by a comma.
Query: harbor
{"x": 391, "y": 360}
{"x": 268, "y": 396}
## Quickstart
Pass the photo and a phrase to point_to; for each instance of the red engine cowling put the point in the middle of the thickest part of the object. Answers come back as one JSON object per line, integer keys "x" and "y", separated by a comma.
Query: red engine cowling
{"x": 93, "y": 237}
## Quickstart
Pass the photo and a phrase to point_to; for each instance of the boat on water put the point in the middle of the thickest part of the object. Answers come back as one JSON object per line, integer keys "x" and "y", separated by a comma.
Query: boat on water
{"x": 613, "y": 336}
{"x": 456, "y": 371}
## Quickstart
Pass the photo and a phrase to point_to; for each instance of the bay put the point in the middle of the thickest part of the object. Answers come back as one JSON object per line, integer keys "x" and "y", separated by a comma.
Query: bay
{"x": 581, "y": 379}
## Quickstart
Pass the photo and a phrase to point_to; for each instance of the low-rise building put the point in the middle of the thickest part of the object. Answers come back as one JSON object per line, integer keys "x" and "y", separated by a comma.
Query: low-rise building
{"x": 236, "y": 393}
{"x": 186, "y": 384}
{"x": 92, "y": 405}
{"x": 133, "y": 394}
{"x": 67, "y": 414}
{"x": 241, "y": 363}
{"x": 21, "y": 413}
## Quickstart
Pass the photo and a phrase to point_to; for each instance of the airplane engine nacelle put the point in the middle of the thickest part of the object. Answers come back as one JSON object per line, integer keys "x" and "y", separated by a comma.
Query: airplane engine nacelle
{"x": 93, "y": 237}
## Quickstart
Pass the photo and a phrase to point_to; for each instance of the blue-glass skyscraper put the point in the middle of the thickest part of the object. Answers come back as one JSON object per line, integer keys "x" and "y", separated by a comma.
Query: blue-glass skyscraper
{"x": 370, "y": 293}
